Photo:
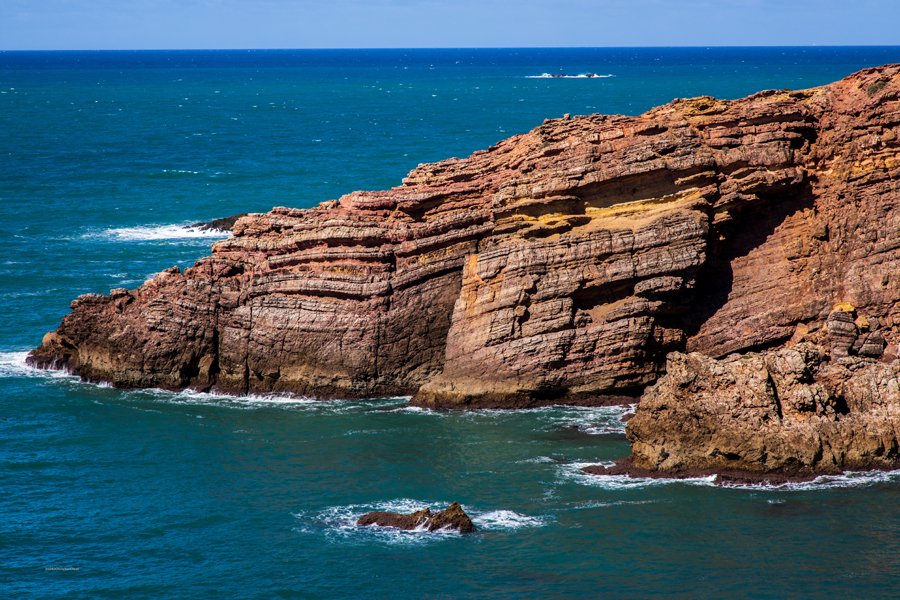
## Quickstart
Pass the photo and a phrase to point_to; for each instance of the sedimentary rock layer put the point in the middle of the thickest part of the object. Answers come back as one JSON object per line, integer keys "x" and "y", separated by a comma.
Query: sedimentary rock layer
{"x": 561, "y": 265}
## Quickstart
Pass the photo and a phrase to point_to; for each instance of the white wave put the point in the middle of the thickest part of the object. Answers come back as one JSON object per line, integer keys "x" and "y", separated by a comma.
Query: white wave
{"x": 181, "y": 171}
{"x": 260, "y": 401}
{"x": 848, "y": 479}
{"x": 249, "y": 401}
{"x": 156, "y": 233}
{"x": 420, "y": 410}
{"x": 12, "y": 364}
{"x": 537, "y": 460}
{"x": 339, "y": 522}
{"x": 564, "y": 76}
{"x": 573, "y": 472}
{"x": 505, "y": 520}
{"x": 593, "y": 420}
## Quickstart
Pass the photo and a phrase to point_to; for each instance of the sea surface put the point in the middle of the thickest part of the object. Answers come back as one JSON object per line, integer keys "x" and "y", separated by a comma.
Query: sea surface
{"x": 106, "y": 158}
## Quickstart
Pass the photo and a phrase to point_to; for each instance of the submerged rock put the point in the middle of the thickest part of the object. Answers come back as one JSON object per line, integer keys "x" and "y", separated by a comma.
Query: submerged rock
{"x": 451, "y": 518}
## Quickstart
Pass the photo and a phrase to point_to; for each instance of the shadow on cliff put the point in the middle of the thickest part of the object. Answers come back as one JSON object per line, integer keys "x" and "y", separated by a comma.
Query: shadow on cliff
{"x": 748, "y": 229}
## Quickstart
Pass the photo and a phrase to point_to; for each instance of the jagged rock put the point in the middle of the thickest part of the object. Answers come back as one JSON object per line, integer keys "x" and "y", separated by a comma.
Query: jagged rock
{"x": 223, "y": 224}
{"x": 561, "y": 265}
{"x": 790, "y": 411}
{"x": 451, "y": 518}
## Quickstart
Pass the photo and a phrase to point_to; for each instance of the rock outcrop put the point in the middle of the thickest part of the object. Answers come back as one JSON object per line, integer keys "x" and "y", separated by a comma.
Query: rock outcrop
{"x": 223, "y": 224}
{"x": 791, "y": 411}
{"x": 452, "y": 518}
{"x": 561, "y": 265}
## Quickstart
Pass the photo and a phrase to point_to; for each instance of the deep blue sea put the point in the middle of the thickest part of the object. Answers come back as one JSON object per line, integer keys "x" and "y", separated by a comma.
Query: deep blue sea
{"x": 105, "y": 157}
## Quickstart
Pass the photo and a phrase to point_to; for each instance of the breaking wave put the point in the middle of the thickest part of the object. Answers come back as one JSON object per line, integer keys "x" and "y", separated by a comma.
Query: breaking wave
{"x": 564, "y": 76}
{"x": 261, "y": 401}
{"x": 12, "y": 364}
{"x": 573, "y": 472}
{"x": 849, "y": 479}
{"x": 157, "y": 233}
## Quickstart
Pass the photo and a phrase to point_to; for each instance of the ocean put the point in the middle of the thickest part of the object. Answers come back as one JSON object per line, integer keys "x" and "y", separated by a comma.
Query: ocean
{"x": 106, "y": 158}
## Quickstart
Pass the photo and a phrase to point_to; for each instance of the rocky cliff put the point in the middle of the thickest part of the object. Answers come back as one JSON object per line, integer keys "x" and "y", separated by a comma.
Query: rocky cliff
{"x": 561, "y": 265}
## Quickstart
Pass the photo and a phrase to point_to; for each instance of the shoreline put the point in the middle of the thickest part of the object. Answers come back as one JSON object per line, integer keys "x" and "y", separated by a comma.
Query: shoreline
{"x": 621, "y": 402}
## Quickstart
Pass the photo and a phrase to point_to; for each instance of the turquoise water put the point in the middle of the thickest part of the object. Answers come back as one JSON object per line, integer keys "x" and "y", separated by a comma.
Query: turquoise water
{"x": 105, "y": 157}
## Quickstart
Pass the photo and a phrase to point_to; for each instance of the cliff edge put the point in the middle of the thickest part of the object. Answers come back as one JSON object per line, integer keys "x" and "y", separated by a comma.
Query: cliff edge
{"x": 561, "y": 265}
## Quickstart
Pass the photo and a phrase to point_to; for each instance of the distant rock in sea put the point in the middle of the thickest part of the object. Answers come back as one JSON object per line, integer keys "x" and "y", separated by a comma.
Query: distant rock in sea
{"x": 452, "y": 518}
{"x": 223, "y": 224}
{"x": 743, "y": 256}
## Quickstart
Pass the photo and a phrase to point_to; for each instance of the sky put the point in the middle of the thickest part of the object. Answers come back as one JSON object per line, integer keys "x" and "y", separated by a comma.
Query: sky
{"x": 176, "y": 24}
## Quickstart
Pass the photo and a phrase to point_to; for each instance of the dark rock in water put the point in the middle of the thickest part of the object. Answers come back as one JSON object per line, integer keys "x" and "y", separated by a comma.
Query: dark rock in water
{"x": 397, "y": 520}
{"x": 452, "y": 518}
{"x": 223, "y": 224}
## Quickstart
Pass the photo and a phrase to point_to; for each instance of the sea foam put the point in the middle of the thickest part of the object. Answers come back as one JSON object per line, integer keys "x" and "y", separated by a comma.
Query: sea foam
{"x": 157, "y": 233}
{"x": 12, "y": 364}
{"x": 849, "y": 479}
{"x": 573, "y": 472}
{"x": 563, "y": 76}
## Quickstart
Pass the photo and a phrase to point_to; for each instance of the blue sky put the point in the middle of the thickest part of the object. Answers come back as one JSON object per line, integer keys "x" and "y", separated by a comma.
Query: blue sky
{"x": 121, "y": 24}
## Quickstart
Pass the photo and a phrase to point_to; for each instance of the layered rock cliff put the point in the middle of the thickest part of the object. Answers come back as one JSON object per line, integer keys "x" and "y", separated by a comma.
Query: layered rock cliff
{"x": 561, "y": 265}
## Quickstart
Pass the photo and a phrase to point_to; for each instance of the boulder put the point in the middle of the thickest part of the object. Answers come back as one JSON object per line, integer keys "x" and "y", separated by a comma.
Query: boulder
{"x": 451, "y": 518}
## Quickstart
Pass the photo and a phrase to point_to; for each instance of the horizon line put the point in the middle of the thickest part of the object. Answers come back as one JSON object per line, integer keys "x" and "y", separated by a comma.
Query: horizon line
{"x": 369, "y": 48}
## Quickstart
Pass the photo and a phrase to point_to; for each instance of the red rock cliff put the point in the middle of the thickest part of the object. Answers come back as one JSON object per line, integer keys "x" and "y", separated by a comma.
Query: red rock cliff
{"x": 559, "y": 265}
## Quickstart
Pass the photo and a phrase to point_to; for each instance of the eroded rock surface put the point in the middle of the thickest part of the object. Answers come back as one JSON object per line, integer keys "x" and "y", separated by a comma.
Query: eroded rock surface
{"x": 452, "y": 518}
{"x": 792, "y": 411}
{"x": 561, "y": 265}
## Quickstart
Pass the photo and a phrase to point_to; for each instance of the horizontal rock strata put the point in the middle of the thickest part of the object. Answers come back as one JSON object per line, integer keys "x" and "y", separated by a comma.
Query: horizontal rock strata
{"x": 561, "y": 265}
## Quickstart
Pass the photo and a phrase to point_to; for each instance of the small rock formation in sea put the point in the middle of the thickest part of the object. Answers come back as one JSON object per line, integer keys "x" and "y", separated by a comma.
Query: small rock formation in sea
{"x": 223, "y": 224}
{"x": 451, "y": 518}
{"x": 753, "y": 242}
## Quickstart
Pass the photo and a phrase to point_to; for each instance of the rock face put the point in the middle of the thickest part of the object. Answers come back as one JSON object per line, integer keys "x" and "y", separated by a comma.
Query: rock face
{"x": 561, "y": 265}
{"x": 451, "y": 518}
{"x": 789, "y": 411}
